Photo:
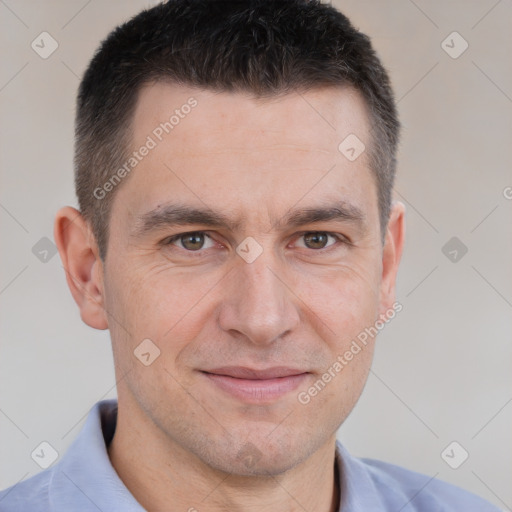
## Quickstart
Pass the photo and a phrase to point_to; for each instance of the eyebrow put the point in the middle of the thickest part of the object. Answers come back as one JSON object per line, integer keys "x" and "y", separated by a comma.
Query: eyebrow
{"x": 342, "y": 212}
{"x": 171, "y": 214}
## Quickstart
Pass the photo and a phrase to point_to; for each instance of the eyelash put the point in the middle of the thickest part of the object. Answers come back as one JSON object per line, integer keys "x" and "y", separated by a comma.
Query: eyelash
{"x": 339, "y": 238}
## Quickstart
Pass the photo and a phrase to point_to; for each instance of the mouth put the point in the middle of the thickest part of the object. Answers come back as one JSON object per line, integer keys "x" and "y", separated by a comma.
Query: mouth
{"x": 256, "y": 385}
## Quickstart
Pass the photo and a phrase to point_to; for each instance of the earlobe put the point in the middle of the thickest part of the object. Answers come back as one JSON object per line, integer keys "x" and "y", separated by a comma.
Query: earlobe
{"x": 391, "y": 254}
{"x": 82, "y": 264}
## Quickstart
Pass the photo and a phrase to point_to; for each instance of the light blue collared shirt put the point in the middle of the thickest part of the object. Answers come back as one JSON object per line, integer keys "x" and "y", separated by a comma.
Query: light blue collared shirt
{"x": 84, "y": 480}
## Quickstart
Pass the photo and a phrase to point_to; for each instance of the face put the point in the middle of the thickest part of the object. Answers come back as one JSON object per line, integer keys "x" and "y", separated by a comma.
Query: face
{"x": 247, "y": 248}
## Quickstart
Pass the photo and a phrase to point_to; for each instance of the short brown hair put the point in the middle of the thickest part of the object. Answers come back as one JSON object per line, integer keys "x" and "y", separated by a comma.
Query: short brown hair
{"x": 265, "y": 47}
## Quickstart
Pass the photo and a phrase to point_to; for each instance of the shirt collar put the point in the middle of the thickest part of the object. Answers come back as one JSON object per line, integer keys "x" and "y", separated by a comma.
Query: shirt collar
{"x": 86, "y": 477}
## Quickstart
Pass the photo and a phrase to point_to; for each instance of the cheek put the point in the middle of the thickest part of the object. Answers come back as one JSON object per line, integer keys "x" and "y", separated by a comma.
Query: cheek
{"x": 345, "y": 300}
{"x": 169, "y": 308}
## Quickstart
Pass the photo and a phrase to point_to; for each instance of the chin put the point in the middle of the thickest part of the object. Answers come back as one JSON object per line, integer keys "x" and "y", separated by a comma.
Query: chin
{"x": 258, "y": 456}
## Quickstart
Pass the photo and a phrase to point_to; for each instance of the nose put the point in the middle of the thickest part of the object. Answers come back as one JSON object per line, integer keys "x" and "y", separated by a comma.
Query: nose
{"x": 258, "y": 304}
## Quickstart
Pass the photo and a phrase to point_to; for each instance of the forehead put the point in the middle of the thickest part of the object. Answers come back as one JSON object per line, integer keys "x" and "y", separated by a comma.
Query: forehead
{"x": 235, "y": 152}
{"x": 318, "y": 119}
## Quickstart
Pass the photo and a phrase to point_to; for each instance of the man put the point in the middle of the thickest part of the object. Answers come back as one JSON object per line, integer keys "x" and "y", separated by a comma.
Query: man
{"x": 236, "y": 235}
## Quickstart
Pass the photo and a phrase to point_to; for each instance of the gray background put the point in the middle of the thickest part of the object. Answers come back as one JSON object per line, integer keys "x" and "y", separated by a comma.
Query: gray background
{"x": 442, "y": 369}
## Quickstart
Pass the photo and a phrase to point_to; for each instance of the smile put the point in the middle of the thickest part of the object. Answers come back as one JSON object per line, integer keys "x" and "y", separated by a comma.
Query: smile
{"x": 256, "y": 386}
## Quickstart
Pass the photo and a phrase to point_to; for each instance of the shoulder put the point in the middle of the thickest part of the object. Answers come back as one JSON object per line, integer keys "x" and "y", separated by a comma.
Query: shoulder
{"x": 79, "y": 474}
{"x": 30, "y": 494}
{"x": 425, "y": 493}
{"x": 392, "y": 487}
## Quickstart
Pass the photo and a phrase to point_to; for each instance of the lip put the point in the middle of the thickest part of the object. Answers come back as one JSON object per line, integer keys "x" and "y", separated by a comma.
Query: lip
{"x": 256, "y": 386}
{"x": 244, "y": 372}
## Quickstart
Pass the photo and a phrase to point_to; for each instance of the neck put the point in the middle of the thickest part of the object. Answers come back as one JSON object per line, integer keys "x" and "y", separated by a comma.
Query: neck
{"x": 162, "y": 475}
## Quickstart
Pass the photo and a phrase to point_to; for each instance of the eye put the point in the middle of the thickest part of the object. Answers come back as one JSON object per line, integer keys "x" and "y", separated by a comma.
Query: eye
{"x": 194, "y": 241}
{"x": 318, "y": 240}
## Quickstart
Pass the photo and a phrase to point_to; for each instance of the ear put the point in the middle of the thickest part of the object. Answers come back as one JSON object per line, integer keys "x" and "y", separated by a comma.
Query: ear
{"x": 391, "y": 255}
{"x": 84, "y": 269}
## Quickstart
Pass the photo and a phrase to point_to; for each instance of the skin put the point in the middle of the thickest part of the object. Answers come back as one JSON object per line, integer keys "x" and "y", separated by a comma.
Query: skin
{"x": 181, "y": 441}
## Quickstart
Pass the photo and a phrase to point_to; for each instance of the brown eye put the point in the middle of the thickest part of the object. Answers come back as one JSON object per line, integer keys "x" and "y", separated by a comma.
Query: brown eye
{"x": 315, "y": 240}
{"x": 192, "y": 241}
